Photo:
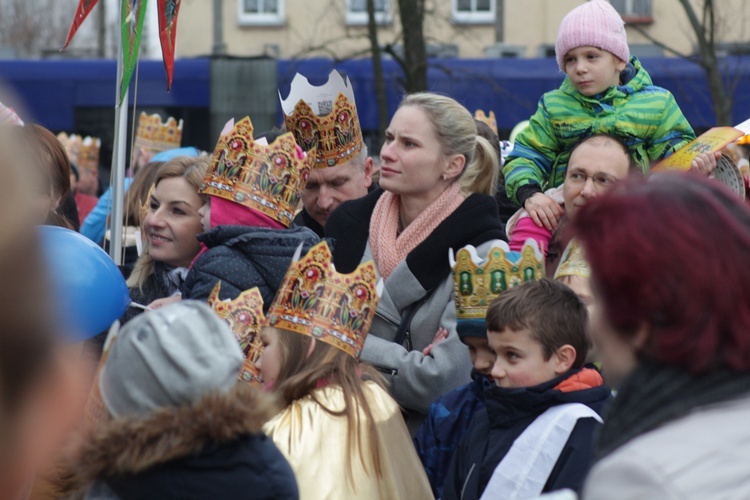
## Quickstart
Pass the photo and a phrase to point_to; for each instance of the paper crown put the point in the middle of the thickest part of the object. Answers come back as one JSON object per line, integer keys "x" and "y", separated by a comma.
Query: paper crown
{"x": 573, "y": 262}
{"x": 266, "y": 178}
{"x": 84, "y": 152}
{"x": 156, "y": 136}
{"x": 245, "y": 318}
{"x": 489, "y": 120}
{"x": 334, "y": 308}
{"x": 324, "y": 118}
{"x": 476, "y": 284}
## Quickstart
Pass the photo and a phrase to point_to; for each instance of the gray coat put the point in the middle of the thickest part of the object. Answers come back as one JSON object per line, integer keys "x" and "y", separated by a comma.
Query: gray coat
{"x": 424, "y": 278}
{"x": 704, "y": 454}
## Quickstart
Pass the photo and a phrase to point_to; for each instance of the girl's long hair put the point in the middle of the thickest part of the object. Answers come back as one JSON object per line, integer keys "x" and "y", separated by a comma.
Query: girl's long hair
{"x": 301, "y": 374}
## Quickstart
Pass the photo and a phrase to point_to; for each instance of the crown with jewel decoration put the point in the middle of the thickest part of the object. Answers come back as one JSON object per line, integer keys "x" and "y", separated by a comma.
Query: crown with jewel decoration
{"x": 476, "y": 284}
{"x": 324, "y": 118}
{"x": 84, "y": 152}
{"x": 245, "y": 318}
{"x": 489, "y": 120}
{"x": 266, "y": 178}
{"x": 334, "y": 308}
{"x": 155, "y": 135}
{"x": 573, "y": 262}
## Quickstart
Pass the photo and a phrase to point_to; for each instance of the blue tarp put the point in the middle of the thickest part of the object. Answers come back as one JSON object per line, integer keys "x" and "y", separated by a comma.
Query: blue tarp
{"x": 49, "y": 91}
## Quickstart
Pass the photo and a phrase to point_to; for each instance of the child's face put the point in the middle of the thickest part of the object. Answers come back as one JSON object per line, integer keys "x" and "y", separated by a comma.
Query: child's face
{"x": 592, "y": 70}
{"x": 481, "y": 355}
{"x": 520, "y": 360}
{"x": 270, "y": 359}
{"x": 582, "y": 288}
{"x": 205, "y": 213}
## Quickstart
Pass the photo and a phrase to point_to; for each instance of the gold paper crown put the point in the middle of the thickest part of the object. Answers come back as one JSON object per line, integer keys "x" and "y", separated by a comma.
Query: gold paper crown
{"x": 84, "y": 152}
{"x": 156, "y": 136}
{"x": 573, "y": 262}
{"x": 489, "y": 120}
{"x": 315, "y": 300}
{"x": 477, "y": 284}
{"x": 245, "y": 318}
{"x": 266, "y": 178}
{"x": 324, "y": 118}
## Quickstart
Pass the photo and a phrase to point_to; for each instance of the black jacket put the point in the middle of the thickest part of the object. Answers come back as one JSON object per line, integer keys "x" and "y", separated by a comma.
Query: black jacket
{"x": 507, "y": 414}
{"x": 212, "y": 449}
{"x": 243, "y": 257}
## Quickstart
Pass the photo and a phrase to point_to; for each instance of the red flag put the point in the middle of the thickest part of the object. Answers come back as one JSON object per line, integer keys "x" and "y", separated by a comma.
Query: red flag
{"x": 84, "y": 7}
{"x": 168, "y": 10}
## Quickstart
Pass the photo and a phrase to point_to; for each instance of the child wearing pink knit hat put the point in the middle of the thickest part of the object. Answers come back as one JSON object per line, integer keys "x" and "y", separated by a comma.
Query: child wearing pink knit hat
{"x": 606, "y": 91}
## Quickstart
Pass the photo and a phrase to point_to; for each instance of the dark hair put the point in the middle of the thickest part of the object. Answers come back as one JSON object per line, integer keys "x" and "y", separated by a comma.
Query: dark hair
{"x": 551, "y": 312}
{"x": 27, "y": 331}
{"x": 632, "y": 165}
{"x": 49, "y": 154}
{"x": 670, "y": 253}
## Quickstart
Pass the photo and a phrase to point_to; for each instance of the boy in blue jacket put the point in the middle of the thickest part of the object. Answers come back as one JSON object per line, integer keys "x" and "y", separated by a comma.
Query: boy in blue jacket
{"x": 536, "y": 432}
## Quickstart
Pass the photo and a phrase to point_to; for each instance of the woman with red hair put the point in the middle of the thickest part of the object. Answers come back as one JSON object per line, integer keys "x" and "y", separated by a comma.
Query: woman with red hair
{"x": 672, "y": 329}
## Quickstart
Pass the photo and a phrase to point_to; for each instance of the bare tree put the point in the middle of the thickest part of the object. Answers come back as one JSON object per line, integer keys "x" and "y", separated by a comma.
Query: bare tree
{"x": 722, "y": 80}
{"x": 414, "y": 59}
{"x": 31, "y": 27}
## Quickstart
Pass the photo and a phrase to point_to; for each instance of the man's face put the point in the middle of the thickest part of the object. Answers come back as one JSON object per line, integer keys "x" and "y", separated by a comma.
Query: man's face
{"x": 327, "y": 188}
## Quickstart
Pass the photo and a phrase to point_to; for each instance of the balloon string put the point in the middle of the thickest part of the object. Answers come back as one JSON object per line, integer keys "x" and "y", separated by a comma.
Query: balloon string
{"x": 139, "y": 306}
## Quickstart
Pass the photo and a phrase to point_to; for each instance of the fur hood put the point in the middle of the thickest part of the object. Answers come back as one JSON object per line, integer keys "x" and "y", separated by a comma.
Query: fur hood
{"x": 133, "y": 444}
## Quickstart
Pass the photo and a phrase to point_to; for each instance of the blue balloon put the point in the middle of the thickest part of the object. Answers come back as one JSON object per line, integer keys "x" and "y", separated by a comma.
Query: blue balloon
{"x": 89, "y": 289}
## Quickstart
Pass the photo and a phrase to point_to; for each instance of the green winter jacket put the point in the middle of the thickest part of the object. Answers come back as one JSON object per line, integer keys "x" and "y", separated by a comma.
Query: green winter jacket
{"x": 646, "y": 117}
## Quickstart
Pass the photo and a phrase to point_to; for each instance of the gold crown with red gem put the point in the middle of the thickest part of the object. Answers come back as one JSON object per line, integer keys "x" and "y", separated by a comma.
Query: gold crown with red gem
{"x": 83, "y": 152}
{"x": 489, "y": 120}
{"x": 266, "y": 178}
{"x": 154, "y": 135}
{"x": 245, "y": 317}
{"x": 334, "y": 308}
{"x": 476, "y": 284}
{"x": 324, "y": 118}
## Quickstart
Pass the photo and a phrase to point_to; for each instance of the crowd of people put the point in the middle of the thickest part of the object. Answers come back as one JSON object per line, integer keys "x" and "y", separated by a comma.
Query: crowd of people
{"x": 445, "y": 320}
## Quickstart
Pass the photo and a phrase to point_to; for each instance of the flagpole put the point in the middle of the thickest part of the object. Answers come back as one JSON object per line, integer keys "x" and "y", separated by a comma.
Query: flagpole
{"x": 118, "y": 159}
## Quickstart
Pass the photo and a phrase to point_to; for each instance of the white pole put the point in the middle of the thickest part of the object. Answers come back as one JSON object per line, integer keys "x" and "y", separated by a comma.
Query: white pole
{"x": 118, "y": 160}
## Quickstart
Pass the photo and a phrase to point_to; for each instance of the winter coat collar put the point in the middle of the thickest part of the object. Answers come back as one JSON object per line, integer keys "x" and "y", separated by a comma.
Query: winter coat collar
{"x": 506, "y": 407}
{"x": 131, "y": 445}
{"x": 474, "y": 222}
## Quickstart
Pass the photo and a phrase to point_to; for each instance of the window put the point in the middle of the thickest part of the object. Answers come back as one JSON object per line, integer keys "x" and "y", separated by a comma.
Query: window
{"x": 634, "y": 11}
{"x": 260, "y": 12}
{"x": 473, "y": 11}
{"x": 356, "y": 11}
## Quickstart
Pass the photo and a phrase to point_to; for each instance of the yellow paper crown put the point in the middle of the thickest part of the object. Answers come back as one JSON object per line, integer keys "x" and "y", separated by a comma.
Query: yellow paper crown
{"x": 84, "y": 152}
{"x": 266, "y": 178}
{"x": 334, "y": 308}
{"x": 156, "y": 136}
{"x": 489, "y": 120}
{"x": 245, "y": 318}
{"x": 324, "y": 118}
{"x": 477, "y": 284}
{"x": 573, "y": 262}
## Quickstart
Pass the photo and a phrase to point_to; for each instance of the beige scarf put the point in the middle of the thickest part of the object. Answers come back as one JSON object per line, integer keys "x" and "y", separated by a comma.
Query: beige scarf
{"x": 390, "y": 248}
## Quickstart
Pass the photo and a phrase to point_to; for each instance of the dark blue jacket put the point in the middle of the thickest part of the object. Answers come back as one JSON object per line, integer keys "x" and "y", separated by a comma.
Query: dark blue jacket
{"x": 507, "y": 414}
{"x": 447, "y": 420}
{"x": 243, "y": 257}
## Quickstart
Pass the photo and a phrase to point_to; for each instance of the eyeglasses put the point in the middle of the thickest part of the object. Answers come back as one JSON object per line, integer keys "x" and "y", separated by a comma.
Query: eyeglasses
{"x": 601, "y": 181}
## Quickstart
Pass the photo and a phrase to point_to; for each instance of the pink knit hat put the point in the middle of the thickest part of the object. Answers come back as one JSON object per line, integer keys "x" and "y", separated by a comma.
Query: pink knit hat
{"x": 595, "y": 23}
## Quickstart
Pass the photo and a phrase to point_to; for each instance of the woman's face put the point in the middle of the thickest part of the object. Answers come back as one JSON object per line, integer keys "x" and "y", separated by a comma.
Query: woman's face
{"x": 411, "y": 162}
{"x": 617, "y": 354}
{"x": 270, "y": 360}
{"x": 172, "y": 222}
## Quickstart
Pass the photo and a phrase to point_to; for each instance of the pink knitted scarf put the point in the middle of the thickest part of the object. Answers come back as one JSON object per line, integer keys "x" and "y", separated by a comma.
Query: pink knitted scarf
{"x": 390, "y": 248}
